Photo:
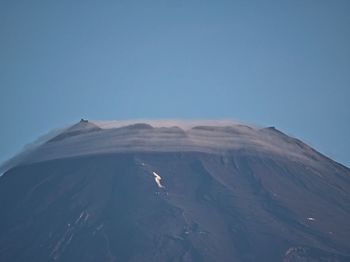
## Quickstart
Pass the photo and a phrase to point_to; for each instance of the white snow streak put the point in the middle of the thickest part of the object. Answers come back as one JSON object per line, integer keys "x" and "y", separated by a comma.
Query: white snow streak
{"x": 157, "y": 178}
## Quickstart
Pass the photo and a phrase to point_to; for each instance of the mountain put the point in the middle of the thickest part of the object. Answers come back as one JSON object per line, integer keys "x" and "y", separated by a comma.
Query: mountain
{"x": 173, "y": 191}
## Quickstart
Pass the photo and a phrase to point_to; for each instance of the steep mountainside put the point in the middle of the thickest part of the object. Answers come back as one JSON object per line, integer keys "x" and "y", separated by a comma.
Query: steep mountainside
{"x": 167, "y": 193}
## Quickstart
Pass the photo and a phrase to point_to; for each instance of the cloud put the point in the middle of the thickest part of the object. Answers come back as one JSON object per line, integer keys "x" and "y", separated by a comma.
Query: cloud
{"x": 28, "y": 149}
{"x": 207, "y": 136}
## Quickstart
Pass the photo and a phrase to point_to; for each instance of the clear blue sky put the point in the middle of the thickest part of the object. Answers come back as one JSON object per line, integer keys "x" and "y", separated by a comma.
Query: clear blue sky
{"x": 281, "y": 63}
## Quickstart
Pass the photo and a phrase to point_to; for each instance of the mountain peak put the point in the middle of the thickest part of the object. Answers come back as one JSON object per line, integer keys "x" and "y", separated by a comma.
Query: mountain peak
{"x": 207, "y": 136}
{"x": 151, "y": 191}
{"x": 82, "y": 127}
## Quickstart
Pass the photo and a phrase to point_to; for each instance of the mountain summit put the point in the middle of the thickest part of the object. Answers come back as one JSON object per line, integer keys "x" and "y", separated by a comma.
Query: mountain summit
{"x": 173, "y": 191}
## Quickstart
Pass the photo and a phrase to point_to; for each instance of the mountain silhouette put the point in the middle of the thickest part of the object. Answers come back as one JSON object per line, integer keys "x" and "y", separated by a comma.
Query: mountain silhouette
{"x": 174, "y": 191}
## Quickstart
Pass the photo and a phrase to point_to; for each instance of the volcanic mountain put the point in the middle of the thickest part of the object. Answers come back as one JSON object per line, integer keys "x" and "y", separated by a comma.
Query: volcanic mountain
{"x": 173, "y": 191}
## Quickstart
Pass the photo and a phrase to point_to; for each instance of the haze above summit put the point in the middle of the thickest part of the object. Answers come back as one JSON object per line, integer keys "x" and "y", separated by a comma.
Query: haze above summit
{"x": 218, "y": 137}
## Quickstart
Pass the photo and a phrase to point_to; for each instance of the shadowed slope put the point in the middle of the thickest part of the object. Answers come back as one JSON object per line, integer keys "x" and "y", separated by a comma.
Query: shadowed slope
{"x": 212, "y": 208}
{"x": 145, "y": 193}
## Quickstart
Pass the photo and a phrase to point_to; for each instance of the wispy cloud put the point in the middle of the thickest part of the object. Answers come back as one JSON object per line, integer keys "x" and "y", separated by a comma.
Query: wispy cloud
{"x": 208, "y": 136}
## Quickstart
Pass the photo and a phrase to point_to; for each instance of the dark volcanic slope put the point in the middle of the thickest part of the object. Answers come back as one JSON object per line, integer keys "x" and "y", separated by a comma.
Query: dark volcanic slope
{"x": 236, "y": 205}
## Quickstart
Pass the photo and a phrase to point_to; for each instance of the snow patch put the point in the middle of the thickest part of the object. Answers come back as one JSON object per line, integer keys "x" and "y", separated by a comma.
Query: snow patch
{"x": 78, "y": 219}
{"x": 157, "y": 178}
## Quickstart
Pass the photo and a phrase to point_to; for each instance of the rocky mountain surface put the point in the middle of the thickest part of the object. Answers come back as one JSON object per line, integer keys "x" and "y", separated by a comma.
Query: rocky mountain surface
{"x": 164, "y": 191}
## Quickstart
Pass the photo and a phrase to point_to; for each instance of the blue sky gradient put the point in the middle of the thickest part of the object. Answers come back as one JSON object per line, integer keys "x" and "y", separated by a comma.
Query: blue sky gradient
{"x": 272, "y": 63}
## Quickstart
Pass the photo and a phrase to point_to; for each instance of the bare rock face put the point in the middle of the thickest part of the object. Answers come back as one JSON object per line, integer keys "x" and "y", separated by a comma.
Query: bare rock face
{"x": 153, "y": 192}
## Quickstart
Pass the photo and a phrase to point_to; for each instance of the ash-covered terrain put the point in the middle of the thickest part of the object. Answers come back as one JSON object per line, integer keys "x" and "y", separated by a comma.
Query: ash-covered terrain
{"x": 173, "y": 191}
